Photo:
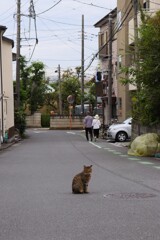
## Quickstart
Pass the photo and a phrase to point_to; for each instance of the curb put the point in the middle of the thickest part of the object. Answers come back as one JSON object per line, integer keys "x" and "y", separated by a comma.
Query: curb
{"x": 7, "y": 145}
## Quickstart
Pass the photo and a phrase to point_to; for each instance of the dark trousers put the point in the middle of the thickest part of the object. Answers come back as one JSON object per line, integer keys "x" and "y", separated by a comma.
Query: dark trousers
{"x": 96, "y": 133}
{"x": 89, "y": 132}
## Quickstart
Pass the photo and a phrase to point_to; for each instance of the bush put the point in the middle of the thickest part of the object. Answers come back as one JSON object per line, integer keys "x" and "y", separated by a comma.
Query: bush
{"x": 45, "y": 120}
{"x": 20, "y": 121}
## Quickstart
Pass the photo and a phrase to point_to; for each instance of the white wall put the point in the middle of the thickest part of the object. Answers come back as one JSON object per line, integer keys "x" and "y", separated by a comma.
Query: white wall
{"x": 8, "y": 100}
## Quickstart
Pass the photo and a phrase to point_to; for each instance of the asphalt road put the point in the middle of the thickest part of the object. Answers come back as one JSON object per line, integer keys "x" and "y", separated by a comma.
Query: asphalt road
{"x": 36, "y": 202}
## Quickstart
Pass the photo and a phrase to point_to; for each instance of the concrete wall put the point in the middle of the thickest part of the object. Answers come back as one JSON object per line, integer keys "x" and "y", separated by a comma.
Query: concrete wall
{"x": 66, "y": 122}
{"x": 34, "y": 120}
{"x": 56, "y": 122}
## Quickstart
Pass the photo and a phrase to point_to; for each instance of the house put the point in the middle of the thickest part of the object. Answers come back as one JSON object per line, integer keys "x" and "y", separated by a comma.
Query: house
{"x": 103, "y": 39}
{"x": 130, "y": 21}
{"x": 123, "y": 25}
{"x": 6, "y": 87}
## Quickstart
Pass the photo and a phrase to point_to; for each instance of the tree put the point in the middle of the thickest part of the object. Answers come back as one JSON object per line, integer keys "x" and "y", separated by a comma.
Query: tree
{"x": 78, "y": 71}
{"x": 37, "y": 87}
{"x": 147, "y": 75}
{"x": 90, "y": 97}
{"x": 70, "y": 86}
{"x": 51, "y": 97}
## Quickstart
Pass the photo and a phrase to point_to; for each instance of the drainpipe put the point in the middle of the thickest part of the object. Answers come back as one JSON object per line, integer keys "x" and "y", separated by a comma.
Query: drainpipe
{"x": 2, "y": 30}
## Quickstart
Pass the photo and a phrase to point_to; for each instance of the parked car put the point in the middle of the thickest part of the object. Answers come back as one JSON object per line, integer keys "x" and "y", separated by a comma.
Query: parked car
{"x": 120, "y": 132}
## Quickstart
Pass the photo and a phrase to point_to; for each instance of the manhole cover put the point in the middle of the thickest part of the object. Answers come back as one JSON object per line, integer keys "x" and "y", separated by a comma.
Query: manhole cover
{"x": 129, "y": 195}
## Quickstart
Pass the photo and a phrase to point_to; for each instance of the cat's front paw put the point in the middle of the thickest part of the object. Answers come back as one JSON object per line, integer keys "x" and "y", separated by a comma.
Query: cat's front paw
{"x": 86, "y": 192}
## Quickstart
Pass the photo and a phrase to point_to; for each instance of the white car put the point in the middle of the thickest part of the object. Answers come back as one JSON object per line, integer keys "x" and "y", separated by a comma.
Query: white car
{"x": 120, "y": 132}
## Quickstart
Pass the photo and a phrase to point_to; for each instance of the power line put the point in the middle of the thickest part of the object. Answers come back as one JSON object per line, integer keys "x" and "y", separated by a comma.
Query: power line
{"x": 64, "y": 23}
{"x": 32, "y": 14}
{"x": 49, "y": 8}
{"x": 92, "y": 5}
{"x": 116, "y": 30}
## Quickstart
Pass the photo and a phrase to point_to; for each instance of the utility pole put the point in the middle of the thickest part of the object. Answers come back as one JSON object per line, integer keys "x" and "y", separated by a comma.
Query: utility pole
{"x": 82, "y": 68}
{"x": 18, "y": 53}
{"x": 110, "y": 72}
{"x": 135, "y": 15}
{"x": 60, "y": 94}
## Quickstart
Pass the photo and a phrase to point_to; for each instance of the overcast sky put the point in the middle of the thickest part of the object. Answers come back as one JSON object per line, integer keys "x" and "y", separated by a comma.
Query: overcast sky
{"x": 58, "y": 28}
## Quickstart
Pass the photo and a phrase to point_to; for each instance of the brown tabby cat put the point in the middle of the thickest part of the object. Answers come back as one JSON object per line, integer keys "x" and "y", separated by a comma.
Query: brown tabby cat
{"x": 81, "y": 180}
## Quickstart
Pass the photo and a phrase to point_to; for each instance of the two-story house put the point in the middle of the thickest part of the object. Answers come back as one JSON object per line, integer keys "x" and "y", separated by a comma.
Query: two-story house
{"x": 103, "y": 40}
{"x": 6, "y": 86}
{"x": 123, "y": 38}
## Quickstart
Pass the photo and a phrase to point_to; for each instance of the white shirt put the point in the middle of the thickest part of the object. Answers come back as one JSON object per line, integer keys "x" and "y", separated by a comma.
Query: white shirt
{"x": 96, "y": 123}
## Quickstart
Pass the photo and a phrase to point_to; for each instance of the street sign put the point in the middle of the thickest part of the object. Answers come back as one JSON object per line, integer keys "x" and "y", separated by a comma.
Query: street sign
{"x": 70, "y": 99}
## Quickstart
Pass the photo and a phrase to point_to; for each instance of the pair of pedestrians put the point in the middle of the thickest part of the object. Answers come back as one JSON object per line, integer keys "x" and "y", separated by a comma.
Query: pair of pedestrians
{"x": 92, "y": 126}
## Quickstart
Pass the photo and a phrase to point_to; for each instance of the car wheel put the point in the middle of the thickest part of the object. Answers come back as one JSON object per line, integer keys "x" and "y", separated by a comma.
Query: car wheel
{"x": 121, "y": 136}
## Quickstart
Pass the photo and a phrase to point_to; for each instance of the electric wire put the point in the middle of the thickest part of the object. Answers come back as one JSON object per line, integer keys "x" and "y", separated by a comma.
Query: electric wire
{"x": 75, "y": 49}
{"x": 37, "y": 15}
{"x": 49, "y": 8}
{"x": 91, "y": 4}
{"x": 115, "y": 31}
{"x": 64, "y": 23}
{"x": 32, "y": 14}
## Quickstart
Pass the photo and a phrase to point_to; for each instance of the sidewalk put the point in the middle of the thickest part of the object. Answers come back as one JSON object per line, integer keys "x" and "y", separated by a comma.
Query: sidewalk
{"x": 6, "y": 145}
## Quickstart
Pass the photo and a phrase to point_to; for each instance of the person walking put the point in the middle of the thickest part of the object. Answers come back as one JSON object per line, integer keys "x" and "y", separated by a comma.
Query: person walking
{"x": 96, "y": 126}
{"x": 88, "y": 126}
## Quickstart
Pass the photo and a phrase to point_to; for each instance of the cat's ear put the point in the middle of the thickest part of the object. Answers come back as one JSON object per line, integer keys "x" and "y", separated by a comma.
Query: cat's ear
{"x": 91, "y": 165}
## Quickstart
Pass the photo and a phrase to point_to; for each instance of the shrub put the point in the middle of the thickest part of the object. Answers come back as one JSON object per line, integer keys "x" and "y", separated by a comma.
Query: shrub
{"x": 20, "y": 121}
{"x": 45, "y": 120}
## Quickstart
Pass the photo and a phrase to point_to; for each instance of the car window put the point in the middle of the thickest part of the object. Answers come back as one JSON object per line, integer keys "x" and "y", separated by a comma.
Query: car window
{"x": 128, "y": 121}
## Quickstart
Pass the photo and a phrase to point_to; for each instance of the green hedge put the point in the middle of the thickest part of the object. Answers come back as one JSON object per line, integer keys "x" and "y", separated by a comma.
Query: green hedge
{"x": 45, "y": 120}
{"x": 20, "y": 121}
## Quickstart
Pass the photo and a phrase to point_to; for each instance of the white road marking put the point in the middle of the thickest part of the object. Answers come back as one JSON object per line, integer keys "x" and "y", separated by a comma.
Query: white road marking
{"x": 95, "y": 145}
{"x": 134, "y": 159}
{"x": 157, "y": 167}
{"x": 107, "y": 148}
{"x": 118, "y": 153}
{"x": 147, "y": 163}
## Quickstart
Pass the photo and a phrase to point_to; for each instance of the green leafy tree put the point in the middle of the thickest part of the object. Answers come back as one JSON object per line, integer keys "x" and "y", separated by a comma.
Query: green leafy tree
{"x": 70, "y": 85}
{"x": 90, "y": 95}
{"x": 78, "y": 71}
{"x": 36, "y": 87}
{"x": 146, "y": 76}
{"x": 51, "y": 97}
{"x": 24, "y": 82}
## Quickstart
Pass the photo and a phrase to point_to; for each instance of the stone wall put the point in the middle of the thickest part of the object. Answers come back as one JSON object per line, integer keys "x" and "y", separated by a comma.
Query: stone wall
{"x": 56, "y": 122}
{"x": 138, "y": 129}
{"x": 65, "y": 122}
{"x": 33, "y": 120}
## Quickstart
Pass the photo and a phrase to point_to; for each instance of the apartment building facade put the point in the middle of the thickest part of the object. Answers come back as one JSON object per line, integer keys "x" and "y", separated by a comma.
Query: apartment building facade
{"x": 123, "y": 38}
{"x": 104, "y": 55}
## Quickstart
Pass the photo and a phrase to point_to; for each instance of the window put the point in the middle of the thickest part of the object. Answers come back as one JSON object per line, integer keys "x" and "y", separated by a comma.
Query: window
{"x": 119, "y": 62}
{"x": 146, "y": 5}
{"x": 119, "y": 19}
{"x": 103, "y": 42}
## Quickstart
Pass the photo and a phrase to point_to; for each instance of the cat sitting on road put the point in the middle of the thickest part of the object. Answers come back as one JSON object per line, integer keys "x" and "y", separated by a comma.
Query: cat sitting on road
{"x": 81, "y": 180}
